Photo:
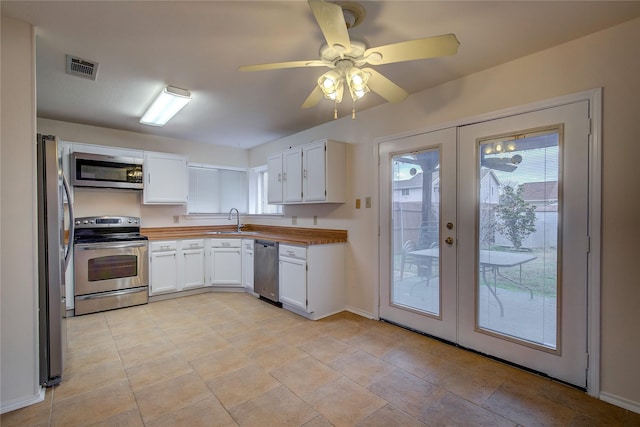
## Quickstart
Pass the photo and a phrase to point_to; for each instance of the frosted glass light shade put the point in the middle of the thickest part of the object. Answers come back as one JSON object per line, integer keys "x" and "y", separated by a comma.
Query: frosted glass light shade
{"x": 166, "y": 105}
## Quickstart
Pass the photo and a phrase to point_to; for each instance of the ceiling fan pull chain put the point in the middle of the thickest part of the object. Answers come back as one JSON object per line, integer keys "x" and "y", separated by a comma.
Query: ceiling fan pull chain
{"x": 353, "y": 110}
{"x": 335, "y": 110}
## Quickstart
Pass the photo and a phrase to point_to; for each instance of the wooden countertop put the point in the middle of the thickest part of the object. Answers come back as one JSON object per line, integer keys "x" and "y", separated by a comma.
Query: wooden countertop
{"x": 292, "y": 235}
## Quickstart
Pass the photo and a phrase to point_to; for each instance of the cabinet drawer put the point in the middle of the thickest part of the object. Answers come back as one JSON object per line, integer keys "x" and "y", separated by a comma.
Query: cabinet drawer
{"x": 226, "y": 243}
{"x": 193, "y": 244}
{"x": 290, "y": 251}
{"x": 164, "y": 246}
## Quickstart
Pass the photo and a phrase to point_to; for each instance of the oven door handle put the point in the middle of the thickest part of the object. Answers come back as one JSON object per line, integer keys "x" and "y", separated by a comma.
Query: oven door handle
{"x": 111, "y": 294}
{"x": 108, "y": 245}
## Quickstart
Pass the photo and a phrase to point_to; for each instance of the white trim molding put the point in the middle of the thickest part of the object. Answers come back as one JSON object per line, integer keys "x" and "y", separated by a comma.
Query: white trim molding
{"x": 594, "y": 97}
{"x": 621, "y": 402}
{"x": 12, "y": 405}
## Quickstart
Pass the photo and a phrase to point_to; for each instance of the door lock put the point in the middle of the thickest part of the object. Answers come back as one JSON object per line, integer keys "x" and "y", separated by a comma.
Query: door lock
{"x": 449, "y": 240}
{"x": 450, "y": 225}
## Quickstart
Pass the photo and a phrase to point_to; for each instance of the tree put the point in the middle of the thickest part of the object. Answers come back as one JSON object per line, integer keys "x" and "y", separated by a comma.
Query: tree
{"x": 517, "y": 217}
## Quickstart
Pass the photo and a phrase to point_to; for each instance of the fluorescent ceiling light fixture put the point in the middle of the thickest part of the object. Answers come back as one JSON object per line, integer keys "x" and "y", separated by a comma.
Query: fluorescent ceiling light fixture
{"x": 167, "y": 104}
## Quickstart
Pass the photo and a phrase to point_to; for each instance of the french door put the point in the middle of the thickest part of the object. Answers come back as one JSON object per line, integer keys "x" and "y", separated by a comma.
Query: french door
{"x": 418, "y": 191}
{"x": 484, "y": 234}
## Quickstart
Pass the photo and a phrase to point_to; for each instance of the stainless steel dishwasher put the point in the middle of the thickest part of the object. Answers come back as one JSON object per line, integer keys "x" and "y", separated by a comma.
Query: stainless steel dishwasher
{"x": 265, "y": 279}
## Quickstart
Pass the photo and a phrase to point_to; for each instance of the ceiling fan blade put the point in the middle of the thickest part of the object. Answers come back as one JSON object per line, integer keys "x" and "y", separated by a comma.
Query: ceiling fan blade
{"x": 290, "y": 64}
{"x": 314, "y": 98}
{"x": 430, "y": 47}
{"x": 331, "y": 21}
{"x": 385, "y": 87}
{"x": 504, "y": 164}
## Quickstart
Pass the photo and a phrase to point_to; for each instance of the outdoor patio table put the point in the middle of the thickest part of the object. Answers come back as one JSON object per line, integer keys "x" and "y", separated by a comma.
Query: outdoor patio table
{"x": 492, "y": 261}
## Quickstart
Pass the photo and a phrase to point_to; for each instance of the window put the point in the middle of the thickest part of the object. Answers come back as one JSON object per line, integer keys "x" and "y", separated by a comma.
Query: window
{"x": 405, "y": 191}
{"x": 216, "y": 190}
{"x": 258, "y": 188}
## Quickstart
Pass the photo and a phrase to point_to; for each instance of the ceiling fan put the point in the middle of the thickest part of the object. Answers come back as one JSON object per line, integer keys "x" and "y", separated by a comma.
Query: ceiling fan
{"x": 346, "y": 57}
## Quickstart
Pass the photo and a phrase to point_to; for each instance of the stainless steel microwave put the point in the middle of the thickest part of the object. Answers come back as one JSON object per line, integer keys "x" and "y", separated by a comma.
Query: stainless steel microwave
{"x": 98, "y": 170}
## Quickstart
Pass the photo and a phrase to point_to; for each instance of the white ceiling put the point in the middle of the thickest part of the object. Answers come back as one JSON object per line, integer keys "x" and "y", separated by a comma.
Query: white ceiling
{"x": 142, "y": 46}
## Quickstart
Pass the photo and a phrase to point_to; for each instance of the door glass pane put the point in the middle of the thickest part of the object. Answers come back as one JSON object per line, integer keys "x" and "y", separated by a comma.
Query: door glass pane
{"x": 415, "y": 231}
{"x": 517, "y": 285}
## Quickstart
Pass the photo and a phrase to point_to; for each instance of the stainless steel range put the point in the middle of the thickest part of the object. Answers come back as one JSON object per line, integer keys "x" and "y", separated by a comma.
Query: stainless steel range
{"x": 110, "y": 264}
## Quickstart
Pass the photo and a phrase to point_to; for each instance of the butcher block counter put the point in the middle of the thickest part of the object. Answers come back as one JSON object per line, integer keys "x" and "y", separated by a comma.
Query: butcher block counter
{"x": 292, "y": 235}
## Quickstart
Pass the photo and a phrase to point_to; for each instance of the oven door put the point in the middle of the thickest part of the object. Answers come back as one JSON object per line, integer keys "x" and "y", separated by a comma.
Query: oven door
{"x": 110, "y": 266}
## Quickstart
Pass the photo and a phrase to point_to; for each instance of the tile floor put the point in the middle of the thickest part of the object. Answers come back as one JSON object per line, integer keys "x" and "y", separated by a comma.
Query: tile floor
{"x": 230, "y": 359}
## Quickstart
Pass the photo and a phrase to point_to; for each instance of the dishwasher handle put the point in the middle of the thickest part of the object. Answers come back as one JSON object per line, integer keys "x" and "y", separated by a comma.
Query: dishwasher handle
{"x": 266, "y": 243}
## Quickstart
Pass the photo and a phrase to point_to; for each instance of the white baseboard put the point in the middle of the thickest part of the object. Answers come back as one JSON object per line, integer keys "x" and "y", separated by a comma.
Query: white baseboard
{"x": 621, "y": 402}
{"x": 359, "y": 312}
{"x": 14, "y": 404}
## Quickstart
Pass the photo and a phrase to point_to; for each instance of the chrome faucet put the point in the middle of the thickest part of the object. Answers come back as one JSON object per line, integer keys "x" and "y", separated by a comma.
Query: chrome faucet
{"x": 237, "y": 218}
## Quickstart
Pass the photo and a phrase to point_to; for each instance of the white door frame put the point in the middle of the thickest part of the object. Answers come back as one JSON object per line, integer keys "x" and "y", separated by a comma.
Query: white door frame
{"x": 594, "y": 97}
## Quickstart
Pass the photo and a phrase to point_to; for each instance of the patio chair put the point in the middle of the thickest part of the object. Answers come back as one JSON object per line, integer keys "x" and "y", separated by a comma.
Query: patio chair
{"x": 407, "y": 258}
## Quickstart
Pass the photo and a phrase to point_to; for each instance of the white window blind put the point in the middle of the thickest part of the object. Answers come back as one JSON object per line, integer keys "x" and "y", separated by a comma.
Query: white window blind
{"x": 216, "y": 190}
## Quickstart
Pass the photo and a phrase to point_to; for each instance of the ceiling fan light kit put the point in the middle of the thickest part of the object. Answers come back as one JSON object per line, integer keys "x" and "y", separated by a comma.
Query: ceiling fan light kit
{"x": 165, "y": 106}
{"x": 345, "y": 57}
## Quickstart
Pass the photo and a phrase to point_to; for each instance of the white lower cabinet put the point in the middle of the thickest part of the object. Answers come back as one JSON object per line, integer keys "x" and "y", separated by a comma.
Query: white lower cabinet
{"x": 247, "y": 264}
{"x": 312, "y": 279}
{"x": 293, "y": 276}
{"x": 192, "y": 257}
{"x": 163, "y": 267}
{"x": 176, "y": 265}
{"x": 225, "y": 262}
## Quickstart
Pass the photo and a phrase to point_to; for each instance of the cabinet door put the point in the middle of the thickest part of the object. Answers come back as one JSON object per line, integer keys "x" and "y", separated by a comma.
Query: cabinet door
{"x": 226, "y": 266}
{"x": 293, "y": 282}
{"x": 292, "y": 175}
{"x": 165, "y": 178}
{"x": 193, "y": 268}
{"x": 274, "y": 181}
{"x": 314, "y": 172}
{"x": 164, "y": 272}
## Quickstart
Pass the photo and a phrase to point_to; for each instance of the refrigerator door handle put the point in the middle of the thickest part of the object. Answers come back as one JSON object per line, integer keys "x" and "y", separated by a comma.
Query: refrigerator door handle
{"x": 67, "y": 190}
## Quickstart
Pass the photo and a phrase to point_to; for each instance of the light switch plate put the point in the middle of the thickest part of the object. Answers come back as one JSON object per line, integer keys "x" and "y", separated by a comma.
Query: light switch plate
{"x": 294, "y": 220}
{"x": 367, "y": 202}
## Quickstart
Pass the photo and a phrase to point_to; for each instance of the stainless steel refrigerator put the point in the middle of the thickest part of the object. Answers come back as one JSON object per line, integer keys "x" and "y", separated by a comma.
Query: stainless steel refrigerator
{"x": 52, "y": 259}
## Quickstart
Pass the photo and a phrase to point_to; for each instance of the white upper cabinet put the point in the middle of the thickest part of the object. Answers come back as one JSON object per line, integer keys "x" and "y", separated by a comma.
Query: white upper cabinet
{"x": 166, "y": 178}
{"x": 292, "y": 175}
{"x": 312, "y": 173}
{"x": 274, "y": 179}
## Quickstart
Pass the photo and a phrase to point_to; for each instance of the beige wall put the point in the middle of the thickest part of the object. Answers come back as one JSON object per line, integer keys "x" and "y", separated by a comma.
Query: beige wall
{"x": 90, "y": 202}
{"x": 18, "y": 226}
{"x": 608, "y": 59}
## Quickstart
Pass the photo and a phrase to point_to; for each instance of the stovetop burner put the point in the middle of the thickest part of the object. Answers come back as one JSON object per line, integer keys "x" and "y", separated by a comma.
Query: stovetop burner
{"x": 107, "y": 229}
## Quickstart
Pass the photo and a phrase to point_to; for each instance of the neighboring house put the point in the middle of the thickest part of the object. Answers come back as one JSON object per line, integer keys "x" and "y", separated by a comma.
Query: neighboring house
{"x": 409, "y": 190}
{"x": 489, "y": 187}
{"x": 541, "y": 194}
{"x": 409, "y": 223}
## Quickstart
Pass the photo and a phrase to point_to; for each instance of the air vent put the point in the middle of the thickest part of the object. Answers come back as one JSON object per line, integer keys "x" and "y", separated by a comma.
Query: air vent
{"x": 82, "y": 67}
